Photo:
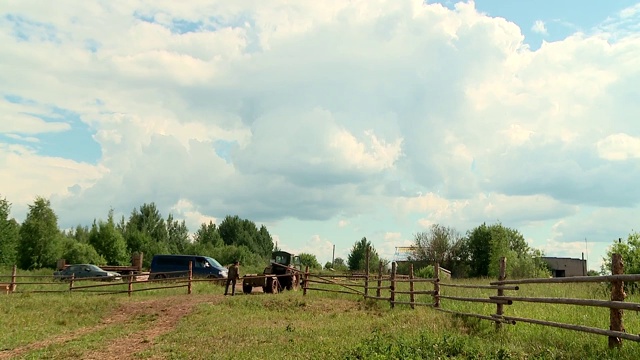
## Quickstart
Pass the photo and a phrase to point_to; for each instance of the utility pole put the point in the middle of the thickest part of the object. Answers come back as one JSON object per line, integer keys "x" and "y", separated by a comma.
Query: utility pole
{"x": 333, "y": 257}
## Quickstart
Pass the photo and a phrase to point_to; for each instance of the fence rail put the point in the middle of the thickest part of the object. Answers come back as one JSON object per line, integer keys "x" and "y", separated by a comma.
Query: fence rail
{"x": 76, "y": 284}
{"x": 389, "y": 285}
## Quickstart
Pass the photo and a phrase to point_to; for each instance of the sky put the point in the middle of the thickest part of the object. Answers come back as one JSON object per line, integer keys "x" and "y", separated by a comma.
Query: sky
{"x": 329, "y": 121}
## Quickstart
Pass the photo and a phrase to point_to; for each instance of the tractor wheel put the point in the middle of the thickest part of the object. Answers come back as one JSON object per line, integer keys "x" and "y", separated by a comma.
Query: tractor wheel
{"x": 274, "y": 286}
{"x": 292, "y": 283}
{"x": 247, "y": 289}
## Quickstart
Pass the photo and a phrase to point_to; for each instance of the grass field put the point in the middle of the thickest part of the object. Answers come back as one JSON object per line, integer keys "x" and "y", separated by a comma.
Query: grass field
{"x": 206, "y": 325}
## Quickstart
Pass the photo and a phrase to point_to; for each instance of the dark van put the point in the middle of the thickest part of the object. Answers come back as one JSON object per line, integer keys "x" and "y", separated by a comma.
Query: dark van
{"x": 202, "y": 266}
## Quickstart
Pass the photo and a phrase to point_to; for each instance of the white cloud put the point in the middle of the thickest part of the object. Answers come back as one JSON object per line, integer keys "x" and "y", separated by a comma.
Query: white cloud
{"x": 539, "y": 27}
{"x": 316, "y": 245}
{"x": 320, "y": 110}
{"x": 619, "y": 147}
{"x": 28, "y": 139}
{"x": 185, "y": 209}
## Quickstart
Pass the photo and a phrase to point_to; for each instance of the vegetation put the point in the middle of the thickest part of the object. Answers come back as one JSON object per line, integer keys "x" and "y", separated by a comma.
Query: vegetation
{"x": 288, "y": 326}
{"x": 630, "y": 252}
{"x": 338, "y": 265}
{"x": 356, "y": 258}
{"x": 38, "y": 242}
{"x": 9, "y": 235}
{"x": 309, "y": 260}
{"x": 478, "y": 253}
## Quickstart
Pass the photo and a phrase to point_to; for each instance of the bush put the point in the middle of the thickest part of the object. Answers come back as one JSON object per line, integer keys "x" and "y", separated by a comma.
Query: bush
{"x": 74, "y": 252}
{"x": 427, "y": 272}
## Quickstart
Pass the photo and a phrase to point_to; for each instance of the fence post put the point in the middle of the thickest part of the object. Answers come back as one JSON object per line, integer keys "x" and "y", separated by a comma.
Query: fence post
{"x": 130, "y": 288}
{"x": 305, "y": 283}
{"x": 392, "y": 298}
{"x": 73, "y": 276}
{"x": 411, "y": 295}
{"x": 617, "y": 294}
{"x": 378, "y": 290}
{"x": 12, "y": 286}
{"x": 436, "y": 285}
{"x": 366, "y": 273}
{"x": 501, "y": 276}
{"x": 189, "y": 288}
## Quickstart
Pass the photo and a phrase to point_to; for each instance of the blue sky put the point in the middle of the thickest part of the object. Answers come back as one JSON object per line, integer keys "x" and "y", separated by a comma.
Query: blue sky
{"x": 330, "y": 121}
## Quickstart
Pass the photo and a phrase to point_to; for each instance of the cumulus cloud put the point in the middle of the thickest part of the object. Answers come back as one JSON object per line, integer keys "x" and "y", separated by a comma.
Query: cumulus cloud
{"x": 316, "y": 245}
{"x": 619, "y": 147}
{"x": 319, "y": 111}
{"x": 539, "y": 27}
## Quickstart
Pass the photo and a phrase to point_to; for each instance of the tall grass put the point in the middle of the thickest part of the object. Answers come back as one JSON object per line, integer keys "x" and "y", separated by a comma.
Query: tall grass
{"x": 321, "y": 325}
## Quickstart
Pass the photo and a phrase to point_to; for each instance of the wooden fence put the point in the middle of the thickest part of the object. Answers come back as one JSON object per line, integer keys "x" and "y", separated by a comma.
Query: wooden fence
{"x": 181, "y": 279}
{"x": 385, "y": 286}
{"x": 388, "y": 284}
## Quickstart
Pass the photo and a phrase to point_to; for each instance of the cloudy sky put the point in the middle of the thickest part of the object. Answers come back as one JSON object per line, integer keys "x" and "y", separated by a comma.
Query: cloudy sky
{"x": 329, "y": 120}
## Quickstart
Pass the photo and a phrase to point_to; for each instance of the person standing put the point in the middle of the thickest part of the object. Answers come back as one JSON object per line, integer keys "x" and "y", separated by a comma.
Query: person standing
{"x": 232, "y": 277}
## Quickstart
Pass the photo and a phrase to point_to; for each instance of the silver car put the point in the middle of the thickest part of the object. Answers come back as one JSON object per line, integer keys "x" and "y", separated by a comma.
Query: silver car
{"x": 80, "y": 271}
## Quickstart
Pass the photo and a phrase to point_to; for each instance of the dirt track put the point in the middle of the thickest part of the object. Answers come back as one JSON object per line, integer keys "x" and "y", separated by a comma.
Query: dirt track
{"x": 166, "y": 313}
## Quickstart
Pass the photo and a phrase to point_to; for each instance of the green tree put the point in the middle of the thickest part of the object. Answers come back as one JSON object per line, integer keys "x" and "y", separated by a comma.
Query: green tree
{"x": 208, "y": 234}
{"x": 147, "y": 220}
{"x": 178, "y": 235}
{"x": 356, "y": 258}
{"x": 75, "y": 252}
{"x": 442, "y": 245}
{"x": 243, "y": 232}
{"x": 338, "y": 265}
{"x": 479, "y": 244}
{"x": 487, "y": 244}
{"x": 79, "y": 233}
{"x": 146, "y": 232}
{"x": 39, "y": 237}
{"x": 9, "y": 235}
{"x": 109, "y": 242}
{"x": 309, "y": 260}
{"x": 629, "y": 250}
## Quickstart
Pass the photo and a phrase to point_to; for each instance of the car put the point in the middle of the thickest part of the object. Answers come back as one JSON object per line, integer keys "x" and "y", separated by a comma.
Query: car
{"x": 80, "y": 271}
{"x": 166, "y": 266}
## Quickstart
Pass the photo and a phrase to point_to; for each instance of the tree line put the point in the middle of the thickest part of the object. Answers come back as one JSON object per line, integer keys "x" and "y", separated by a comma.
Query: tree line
{"x": 475, "y": 254}
{"x": 38, "y": 242}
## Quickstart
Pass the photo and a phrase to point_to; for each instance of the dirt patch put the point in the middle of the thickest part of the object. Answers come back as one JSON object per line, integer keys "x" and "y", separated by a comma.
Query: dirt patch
{"x": 163, "y": 315}
{"x": 166, "y": 312}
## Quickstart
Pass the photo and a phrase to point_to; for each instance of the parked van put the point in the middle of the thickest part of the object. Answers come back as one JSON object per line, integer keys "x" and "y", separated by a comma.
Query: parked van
{"x": 202, "y": 266}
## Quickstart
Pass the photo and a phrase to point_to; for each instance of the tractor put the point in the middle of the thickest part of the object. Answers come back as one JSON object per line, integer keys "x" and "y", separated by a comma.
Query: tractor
{"x": 285, "y": 270}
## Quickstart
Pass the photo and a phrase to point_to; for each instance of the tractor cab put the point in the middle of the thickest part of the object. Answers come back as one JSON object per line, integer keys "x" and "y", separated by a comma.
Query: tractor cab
{"x": 286, "y": 259}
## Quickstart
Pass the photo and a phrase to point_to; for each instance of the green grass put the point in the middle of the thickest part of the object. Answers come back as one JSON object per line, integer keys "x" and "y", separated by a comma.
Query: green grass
{"x": 319, "y": 326}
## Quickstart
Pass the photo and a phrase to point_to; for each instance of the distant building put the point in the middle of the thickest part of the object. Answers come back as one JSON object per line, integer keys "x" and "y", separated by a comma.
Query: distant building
{"x": 566, "y": 267}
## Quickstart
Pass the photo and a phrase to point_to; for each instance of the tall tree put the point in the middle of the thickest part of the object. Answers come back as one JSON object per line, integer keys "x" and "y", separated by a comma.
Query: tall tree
{"x": 109, "y": 242}
{"x": 148, "y": 220}
{"x": 146, "y": 232}
{"x": 309, "y": 260}
{"x": 487, "y": 244}
{"x": 479, "y": 243}
{"x": 39, "y": 237}
{"x": 9, "y": 235}
{"x": 243, "y": 232}
{"x": 178, "y": 235}
{"x": 629, "y": 249}
{"x": 79, "y": 233}
{"x": 208, "y": 234}
{"x": 356, "y": 258}
{"x": 264, "y": 241}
